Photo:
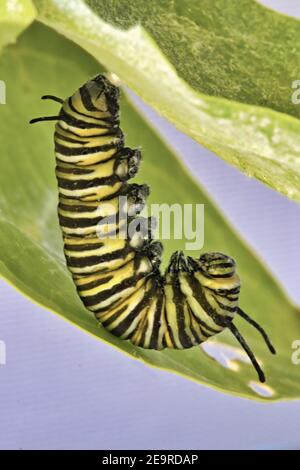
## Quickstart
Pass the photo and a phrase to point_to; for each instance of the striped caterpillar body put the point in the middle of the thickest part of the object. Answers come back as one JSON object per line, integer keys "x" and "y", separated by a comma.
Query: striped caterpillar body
{"x": 118, "y": 278}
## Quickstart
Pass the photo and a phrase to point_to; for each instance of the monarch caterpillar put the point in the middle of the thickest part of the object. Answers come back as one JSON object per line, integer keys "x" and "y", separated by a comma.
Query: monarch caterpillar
{"x": 118, "y": 279}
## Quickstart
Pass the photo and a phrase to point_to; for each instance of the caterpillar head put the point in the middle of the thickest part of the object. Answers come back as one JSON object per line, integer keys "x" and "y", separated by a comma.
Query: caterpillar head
{"x": 104, "y": 96}
{"x": 215, "y": 265}
{"x": 217, "y": 272}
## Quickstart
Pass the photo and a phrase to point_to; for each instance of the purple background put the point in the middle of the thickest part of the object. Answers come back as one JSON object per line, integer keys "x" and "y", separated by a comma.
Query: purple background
{"x": 62, "y": 389}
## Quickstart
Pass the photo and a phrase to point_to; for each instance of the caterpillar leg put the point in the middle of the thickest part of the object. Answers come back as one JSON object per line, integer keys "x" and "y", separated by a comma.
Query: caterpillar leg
{"x": 53, "y": 98}
{"x": 247, "y": 349}
{"x": 128, "y": 163}
{"x": 48, "y": 118}
{"x": 252, "y": 322}
{"x": 44, "y": 118}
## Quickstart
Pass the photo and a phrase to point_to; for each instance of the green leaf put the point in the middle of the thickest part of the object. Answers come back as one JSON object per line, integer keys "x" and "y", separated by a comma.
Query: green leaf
{"x": 31, "y": 248}
{"x": 221, "y": 71}
{"x": 15, "y": 15}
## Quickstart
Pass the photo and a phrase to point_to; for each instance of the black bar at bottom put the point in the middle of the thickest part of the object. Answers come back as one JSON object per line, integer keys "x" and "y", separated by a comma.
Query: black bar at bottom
{"x": 136, "y": 458}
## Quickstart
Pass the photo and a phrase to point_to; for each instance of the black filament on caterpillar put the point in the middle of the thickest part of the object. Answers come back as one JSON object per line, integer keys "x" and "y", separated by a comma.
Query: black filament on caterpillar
{"x": 118, "y": 278}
